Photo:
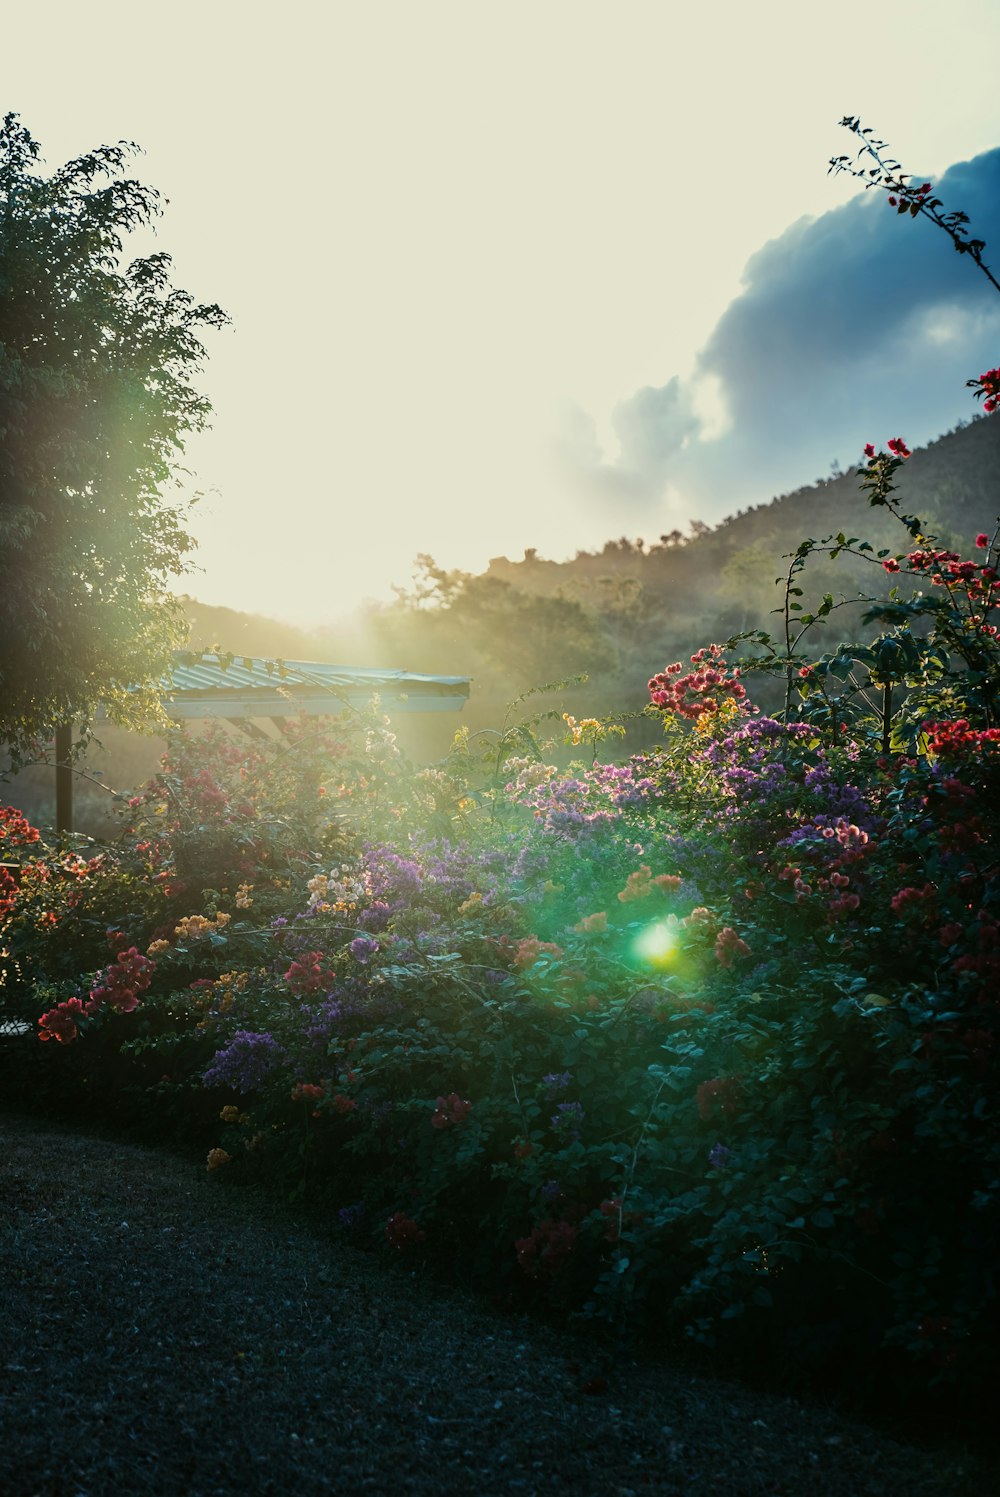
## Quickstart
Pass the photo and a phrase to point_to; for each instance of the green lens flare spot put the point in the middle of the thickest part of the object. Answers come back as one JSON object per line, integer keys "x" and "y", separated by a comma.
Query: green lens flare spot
{"x": 656, "y": 946}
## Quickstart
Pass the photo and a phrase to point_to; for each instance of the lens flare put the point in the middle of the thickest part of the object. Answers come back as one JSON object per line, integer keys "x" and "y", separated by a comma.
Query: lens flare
{"x": 656, "y": 946}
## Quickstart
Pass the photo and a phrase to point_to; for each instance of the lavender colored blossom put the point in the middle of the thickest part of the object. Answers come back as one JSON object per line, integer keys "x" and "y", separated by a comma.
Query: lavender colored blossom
{"x": 246, "y": 1062}
{"x": 363, "y": 948}
{"x": 376, "y": 917}
{"x": 551, "y": 1190}
{"x": 566, "y": 1115}
{"x": 719, "y": 1156}
{"x": 351, "y": 1217}
{"x": 322, "y": 1023}
{"x": 557, "y": 1081}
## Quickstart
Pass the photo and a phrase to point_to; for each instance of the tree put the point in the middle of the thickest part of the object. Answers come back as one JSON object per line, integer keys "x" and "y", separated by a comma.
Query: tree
{"x": 96, "y": 401}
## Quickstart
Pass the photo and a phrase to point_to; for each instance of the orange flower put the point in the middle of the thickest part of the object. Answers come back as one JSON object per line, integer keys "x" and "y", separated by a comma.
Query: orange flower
{"x": 590, "y": 923}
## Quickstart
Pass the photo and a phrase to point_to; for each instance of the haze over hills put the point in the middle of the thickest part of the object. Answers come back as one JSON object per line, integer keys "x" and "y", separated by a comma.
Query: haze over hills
{"x": 620, "y": 613}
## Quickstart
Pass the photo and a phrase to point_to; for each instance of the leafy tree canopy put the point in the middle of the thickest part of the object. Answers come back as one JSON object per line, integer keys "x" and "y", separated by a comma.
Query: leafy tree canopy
{"x": 96, "y": 360}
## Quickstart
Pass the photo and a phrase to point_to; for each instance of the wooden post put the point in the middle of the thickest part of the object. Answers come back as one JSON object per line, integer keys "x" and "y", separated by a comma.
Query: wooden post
{"x": 64, "y": 779}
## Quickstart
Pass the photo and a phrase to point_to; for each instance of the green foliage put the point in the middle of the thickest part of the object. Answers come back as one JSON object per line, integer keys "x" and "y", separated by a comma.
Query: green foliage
{"x": 96, "y": 400}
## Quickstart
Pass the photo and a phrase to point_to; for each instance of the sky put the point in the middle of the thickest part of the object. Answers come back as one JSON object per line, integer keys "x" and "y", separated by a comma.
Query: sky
{"x": 535, "y": 274}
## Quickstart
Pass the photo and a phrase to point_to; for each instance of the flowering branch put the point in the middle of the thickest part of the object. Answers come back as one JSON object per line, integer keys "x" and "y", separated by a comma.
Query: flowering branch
{"x": 904, "y": 196}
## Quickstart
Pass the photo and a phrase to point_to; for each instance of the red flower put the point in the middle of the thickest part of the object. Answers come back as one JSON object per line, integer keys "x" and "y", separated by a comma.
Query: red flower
{"x": 60, "y": 1022}
{"x": 546, "y": 1250}
{"x": 450, "y": 1110}
{"x": 308, "y": 974}
{"x": 306, "y": 1091}
{"x": 982, "y": 540}
{"x": 401, "y": 1233}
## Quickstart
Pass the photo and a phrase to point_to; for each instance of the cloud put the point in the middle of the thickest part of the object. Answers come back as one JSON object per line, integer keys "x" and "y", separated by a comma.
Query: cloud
{"x": 852, "y": 327}
{"x": 651, "y": 427}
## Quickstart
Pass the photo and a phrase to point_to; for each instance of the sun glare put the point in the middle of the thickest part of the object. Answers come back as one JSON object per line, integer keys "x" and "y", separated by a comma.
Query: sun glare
{"x": 656, "y": 945}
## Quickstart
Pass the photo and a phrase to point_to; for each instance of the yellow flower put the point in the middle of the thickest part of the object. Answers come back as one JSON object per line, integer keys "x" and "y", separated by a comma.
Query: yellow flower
{"x": 230, "y": 1114}
{"x": 217, "y": 1158}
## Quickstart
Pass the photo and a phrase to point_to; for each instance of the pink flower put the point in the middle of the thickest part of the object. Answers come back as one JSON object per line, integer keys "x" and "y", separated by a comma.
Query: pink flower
{"x": 728, "y": 946}
{"x": 982, "y": 540}
{"x": 450, "y": 1110}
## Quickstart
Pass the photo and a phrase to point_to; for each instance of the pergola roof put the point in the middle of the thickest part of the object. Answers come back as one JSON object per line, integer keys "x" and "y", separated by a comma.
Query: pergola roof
{"x": 246, "y": 687}
{"x": 241, "y": 688}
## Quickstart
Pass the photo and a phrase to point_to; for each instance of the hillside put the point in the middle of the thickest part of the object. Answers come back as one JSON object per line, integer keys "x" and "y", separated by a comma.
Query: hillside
{"x": 619, "y": 614}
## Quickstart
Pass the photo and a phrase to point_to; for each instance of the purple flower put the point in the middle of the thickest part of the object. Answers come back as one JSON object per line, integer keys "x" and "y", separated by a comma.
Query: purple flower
{"x": 566, "y": 1116}
{"x": 557, "y": 1081}
{"x": 551, "y": 1190}
{"x": 376, "y": 916}
{"x": 719, "y": 1156}
{"x": 246, "y": 1062}
{"x": 363, "y": 948}
{"x": 351, "y": 1216}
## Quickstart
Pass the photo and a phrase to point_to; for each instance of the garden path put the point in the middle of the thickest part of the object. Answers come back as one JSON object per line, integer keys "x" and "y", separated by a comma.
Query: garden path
{"x": 161, "y": 1333}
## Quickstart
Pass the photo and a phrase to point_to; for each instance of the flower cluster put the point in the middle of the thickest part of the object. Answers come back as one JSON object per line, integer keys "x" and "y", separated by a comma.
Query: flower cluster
{"x": 15, "y": 830}
{"x": 987, "y": 385}
{"x": 402, "y": 1233}
{"x": 545, "y": 1251}
{"x": 307, "y": 974}
{"x": 947, "y": 569}
{"x": 120, "y": 984}
{"x": 947, "y": 739}
{"x": 450, "y": 1110}
{"x": 700, "y": 692}
{"x": 576, "y": 730}
{"x": 531, "y": 950}
{"x": 910, "y": 901}
{"x": 906, "y": 198}
{"x": 641, "y": 883}
{"x": 196, "y": 927}
{"x": 60, "y": 1022}
{"x": 246, "y": 1062}
{"x": 728, "y": 946}
{"x": 307, "y": 1091}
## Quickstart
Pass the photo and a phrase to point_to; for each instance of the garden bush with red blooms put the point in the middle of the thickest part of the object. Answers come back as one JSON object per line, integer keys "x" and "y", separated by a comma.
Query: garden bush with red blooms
{"x": 704, "y": 1043}
{"x": 743, "y": 988}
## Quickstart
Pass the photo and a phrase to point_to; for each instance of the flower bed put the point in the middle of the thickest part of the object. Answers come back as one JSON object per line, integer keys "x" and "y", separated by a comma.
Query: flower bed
{"x": 702, "y": 1043}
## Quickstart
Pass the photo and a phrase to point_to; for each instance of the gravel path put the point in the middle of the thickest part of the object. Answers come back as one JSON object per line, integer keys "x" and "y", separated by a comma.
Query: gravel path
{"x": 160, "y": 1333}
